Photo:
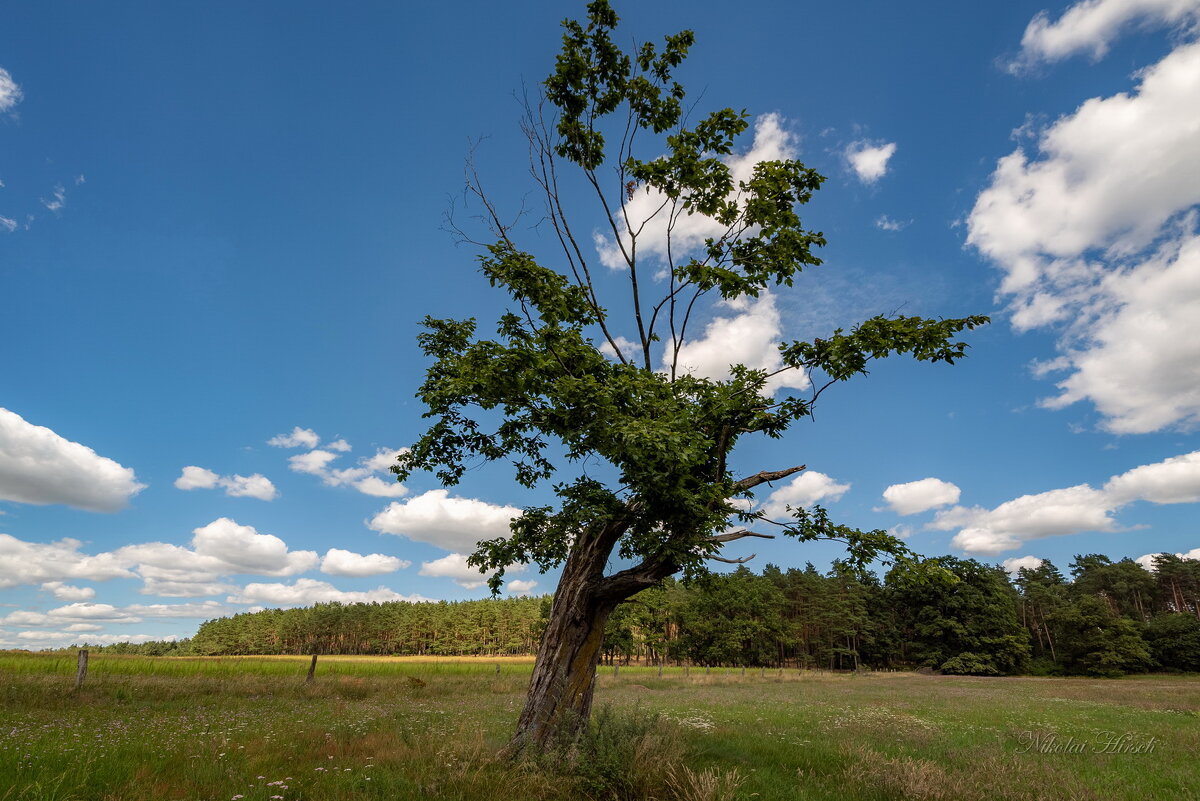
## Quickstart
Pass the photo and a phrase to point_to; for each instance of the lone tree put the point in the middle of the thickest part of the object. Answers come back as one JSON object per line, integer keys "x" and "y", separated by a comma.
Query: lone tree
{"x": 637, "y": 446}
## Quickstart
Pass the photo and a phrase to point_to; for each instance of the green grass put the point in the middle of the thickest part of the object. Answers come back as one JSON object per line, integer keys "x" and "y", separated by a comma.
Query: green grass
{"x": 214, "y": 729}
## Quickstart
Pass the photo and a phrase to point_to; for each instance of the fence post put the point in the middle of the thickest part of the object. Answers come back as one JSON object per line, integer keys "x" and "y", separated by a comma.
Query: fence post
{"x": 497, "y": 670}
{"x": 312, "y": 670}
{"x": 616, "y": 668}
{"x": 81, "y": 673}
{"x": 660, "y": 668}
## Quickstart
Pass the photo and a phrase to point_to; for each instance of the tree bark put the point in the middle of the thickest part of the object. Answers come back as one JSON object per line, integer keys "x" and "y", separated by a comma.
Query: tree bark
{"x": 561, "y": 688}
{"x": 559, "y": 701}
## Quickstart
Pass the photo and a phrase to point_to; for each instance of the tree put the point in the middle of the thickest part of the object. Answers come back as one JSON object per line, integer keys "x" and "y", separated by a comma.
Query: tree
{"x": 967, "y": 624}
{"x": 637, "y": 448}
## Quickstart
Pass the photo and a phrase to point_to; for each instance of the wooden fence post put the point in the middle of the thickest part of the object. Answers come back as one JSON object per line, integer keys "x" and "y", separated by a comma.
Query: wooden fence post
{"x": 616, "y": 668}
{"x": 81, "y": 672}
{"x": 497, "y": 670}
{"x": 660, "y": 668}
{"x": 312, "y": 670}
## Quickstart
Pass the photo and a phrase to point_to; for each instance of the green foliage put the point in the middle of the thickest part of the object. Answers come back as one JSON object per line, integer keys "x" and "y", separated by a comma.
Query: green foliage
{"x": 1093, "y": 639}
{"x": 966, "y": 621}
{"x": 1174, "y": 641}
{"x": 542, "y": 396}
{"x": 969, "y": 664}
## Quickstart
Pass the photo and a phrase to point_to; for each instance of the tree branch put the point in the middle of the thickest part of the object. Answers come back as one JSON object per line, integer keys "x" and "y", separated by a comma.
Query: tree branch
{"x": 765, "y": 476}
{"x": 741, "y": 561}
{"x": 737, "y": 535}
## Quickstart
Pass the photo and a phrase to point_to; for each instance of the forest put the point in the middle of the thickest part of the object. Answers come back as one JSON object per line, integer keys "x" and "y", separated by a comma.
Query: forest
{"x": 1102, "y": 618}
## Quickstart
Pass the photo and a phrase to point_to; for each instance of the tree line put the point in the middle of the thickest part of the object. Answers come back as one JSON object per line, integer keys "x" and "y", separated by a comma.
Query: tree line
{"x": 958, "y": 616}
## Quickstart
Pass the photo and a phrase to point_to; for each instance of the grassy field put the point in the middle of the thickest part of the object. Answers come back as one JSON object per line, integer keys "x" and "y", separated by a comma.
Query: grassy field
{"x": 249, "y": 729}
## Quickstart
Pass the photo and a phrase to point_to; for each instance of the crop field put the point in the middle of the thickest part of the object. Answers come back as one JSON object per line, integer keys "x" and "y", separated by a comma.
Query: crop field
{"x": 250, "y": 729}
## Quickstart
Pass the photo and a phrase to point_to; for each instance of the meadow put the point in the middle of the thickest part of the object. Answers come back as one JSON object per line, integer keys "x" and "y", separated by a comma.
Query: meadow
{"x": 250, "y": 729}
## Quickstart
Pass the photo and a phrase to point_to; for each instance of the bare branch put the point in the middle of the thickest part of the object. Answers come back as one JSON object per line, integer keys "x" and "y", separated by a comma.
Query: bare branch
{"x": 737, "y": 535}
{"x": 741, "y": 561}
{"x": 764, "y": 477}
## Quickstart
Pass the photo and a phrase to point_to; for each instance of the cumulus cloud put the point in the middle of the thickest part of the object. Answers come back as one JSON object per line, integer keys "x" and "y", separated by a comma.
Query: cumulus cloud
{"x": 298, "y": 438}
{"x": 337, "y": 562}
{"x": 10, "y": 93}
{"x": 804, "y": 490}
{"x": 920, "y": 496}
{"x": 134, "y": 613}
{"x": 455, "y": 524}
{"x": 221, "y": 548}
{"x": 749, "y": 336}
{"x": 70, "y": 636}
{"x": 652, "y": 213}
{"x": 306, "y": 591}
{"x": 24, "y": 562}
{"x": 38, "y": 466}
{"x": 454, "y": 566}
{"x": 519, "y": 586}
{"x": 1096, "y": 235}
{"x": 1147, "y": 560}
{"x": 1070, "y": 510}
{"x": 870, "y": 162}
{"x": 366, "y": 477}
{"x": 1013, "y": 566}
{"x": 255, "y": 486}
{"x": 68, "y": 592}
{"x": 1092, "y": 25}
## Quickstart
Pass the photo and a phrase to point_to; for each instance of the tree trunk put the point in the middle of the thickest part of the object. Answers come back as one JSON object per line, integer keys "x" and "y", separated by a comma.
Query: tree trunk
{"x": 559, "y": 701}
{"x": 560, "y": 691}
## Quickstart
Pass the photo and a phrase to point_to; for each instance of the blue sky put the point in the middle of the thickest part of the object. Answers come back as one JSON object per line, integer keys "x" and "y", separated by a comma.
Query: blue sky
{"x": 220, "y": 225}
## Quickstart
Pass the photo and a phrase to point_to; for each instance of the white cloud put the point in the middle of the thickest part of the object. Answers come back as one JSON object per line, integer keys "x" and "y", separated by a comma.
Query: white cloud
{"x": 134, "y": 613}
{"x": 804, "y": 490}
{"x": 1014, "y": 565}
{"x": 37, "y": 563}
{"x": 38, "y": 466}
{"x": 7, "y": 223}
{"x": 363, "y": 478}
{"x": 771, "y": 143}
{"x": 1173, "y": 480}
{"x": 346, "y": 563}
{"x": 454, "y": 566}
{"x": 194, "y": 477}
{"x": 313, "y": 462}
{"x": 62, "y": 639}
{"x": 222, "y": 548}
{"x": 870, "y": 162}
{"x": 10, "y": 93}
{"x": 519, "y": 586}
{"x": 339, "y": 445}
{"x": 57, "y": 200}
{"x": 305, "y": 591}
{"x": 920, "y": 496}
{"x": 1046, "y": 514}
{"x": 255, "y": 486}
{"x": 750, "y": 336}
{"x": 68, "y": 592}
{"x": 236, "y": 486}
{"x": 1097, "y": 235}
{"x": 246, "y": 551}
{"x": 299, "y": 438}
{"x": 1091, "y": 26}
{"x": 1071, "y": 510}
{"x": 455, "y": 524}
{"x": 886, "y": 223}
{"x": 1147, "y": 560}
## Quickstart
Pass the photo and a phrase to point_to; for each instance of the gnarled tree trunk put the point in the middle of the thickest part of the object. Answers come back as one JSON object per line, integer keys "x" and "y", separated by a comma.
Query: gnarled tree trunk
{"x": 561, "y": 689}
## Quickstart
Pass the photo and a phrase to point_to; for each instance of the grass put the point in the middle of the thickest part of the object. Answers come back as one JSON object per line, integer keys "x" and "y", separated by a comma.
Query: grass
{"x": 402, "y": 728}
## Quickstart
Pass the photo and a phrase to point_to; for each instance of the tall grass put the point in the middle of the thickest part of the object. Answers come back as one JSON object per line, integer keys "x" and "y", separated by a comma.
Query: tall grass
{"x": 145, "y": 728}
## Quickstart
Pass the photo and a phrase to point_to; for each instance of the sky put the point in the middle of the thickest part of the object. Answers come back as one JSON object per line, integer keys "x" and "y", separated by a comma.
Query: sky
{"x": 221, "y": 224}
